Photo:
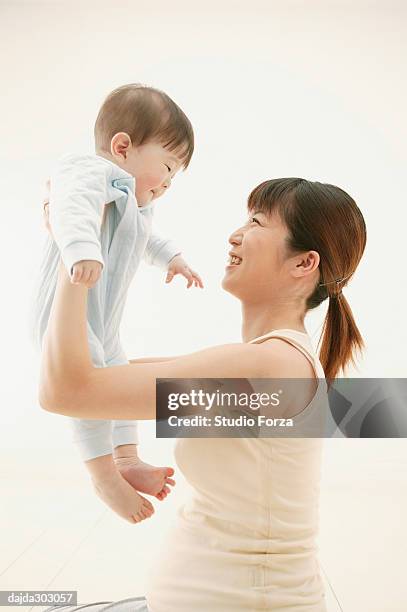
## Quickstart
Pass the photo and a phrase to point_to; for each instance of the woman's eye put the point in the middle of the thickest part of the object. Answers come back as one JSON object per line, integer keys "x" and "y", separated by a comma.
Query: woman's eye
{"x": 254, "y": 220}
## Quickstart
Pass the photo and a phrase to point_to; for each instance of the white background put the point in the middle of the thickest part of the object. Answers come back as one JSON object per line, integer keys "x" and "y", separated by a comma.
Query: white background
{"x": 309, "y": 89}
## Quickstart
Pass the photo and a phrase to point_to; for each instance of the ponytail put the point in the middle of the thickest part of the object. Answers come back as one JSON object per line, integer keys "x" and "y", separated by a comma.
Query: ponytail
{"x": 341, "y": 337}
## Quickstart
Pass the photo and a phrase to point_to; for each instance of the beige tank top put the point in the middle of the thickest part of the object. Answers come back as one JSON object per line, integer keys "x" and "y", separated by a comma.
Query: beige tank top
{"x": 246, "y": 538}
{"x": 311, "y": 421}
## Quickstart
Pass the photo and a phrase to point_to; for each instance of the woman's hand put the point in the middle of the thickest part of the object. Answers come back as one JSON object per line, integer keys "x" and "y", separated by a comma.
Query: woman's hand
{"x": 45, "y": 207}
{"x": 46, "y": 217}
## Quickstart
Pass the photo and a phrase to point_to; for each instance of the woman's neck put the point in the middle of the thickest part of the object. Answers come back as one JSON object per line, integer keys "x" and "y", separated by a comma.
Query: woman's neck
{"x": 258, "y": 320}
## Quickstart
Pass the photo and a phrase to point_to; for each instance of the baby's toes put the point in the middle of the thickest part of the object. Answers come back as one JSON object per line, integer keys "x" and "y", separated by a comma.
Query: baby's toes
{"x": 147, "y": 506}
{"x": 170, "y": 481}
{"x": 145, "y": 514}
{"x": 142, "y": 514}
{"x": 162, "y": 494}
{"x": 147, "y": 509}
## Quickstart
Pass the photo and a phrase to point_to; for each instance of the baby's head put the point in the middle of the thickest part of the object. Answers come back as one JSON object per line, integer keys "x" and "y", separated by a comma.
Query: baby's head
{"x": 144, "y": 132}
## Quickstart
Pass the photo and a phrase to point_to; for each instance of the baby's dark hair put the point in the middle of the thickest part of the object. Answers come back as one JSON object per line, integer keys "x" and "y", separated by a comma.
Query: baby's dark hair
{"x": 147, "y": 115}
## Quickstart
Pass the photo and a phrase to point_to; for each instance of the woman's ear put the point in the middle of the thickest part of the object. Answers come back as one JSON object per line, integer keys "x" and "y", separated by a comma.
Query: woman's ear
{"x": 120, "y": 145}
{"x": 312, "y": 261}
{"x": 307, "y": 263}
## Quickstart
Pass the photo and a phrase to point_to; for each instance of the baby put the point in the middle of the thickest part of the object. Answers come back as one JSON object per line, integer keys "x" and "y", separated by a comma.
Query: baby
{"x": 100, "y": 214}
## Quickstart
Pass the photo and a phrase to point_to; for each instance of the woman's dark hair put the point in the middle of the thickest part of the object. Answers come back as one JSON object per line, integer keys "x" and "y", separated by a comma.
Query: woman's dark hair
{"x": 146, "y": 114}
{"x": 323, "y": 218}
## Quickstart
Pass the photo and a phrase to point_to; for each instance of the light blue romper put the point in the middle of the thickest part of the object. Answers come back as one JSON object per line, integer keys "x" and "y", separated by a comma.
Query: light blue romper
{"x": 80, "y": 188}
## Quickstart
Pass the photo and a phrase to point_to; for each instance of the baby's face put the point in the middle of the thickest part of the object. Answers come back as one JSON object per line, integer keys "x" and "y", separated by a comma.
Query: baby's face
{"x": 153, "y": 167}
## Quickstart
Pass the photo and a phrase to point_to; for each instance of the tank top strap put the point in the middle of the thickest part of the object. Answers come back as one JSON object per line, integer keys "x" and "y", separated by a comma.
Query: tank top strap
{"x": 298, "y": 339}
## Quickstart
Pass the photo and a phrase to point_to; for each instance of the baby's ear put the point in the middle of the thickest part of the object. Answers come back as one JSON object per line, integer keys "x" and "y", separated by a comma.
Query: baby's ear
{"x": 120, "y": 145}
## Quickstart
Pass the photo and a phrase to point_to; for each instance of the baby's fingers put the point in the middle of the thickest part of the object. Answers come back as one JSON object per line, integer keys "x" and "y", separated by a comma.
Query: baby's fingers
{"x": 87, "y": 278}
{"x": 46, "y": 216}
{"x": 170, "y": 276}
{"x": 188, "y": 275}
{"x": 197, "y": 280}
{"x": 93, "y": 277}
{"x": 77, "y": 274}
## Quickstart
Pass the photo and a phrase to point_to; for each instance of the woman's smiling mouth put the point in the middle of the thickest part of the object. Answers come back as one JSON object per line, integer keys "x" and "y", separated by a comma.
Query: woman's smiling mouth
{"x": 234, "y": 260}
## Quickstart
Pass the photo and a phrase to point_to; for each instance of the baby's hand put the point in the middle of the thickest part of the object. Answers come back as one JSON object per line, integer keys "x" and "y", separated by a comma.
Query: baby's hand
{"x": 86, "y": 272}
{"x": 178, "y": 265}
{"x": 120, "y": 496}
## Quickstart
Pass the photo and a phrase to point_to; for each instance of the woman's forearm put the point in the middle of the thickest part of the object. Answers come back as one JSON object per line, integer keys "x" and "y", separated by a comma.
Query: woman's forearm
{"x": 154, "y": 359}
{"x": 66, "y": 361}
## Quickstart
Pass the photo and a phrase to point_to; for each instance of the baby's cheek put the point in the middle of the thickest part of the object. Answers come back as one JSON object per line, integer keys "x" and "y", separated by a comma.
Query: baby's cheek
{"x": 149, "y": 180}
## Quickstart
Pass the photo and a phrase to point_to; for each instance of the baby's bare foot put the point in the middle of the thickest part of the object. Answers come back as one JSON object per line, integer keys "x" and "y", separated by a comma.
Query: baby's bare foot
{"x": 123, "y": 499}
{"x": 146, "y": 478}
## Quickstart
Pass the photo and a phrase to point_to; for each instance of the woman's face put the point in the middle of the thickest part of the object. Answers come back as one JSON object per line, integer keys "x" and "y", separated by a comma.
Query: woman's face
{"x": 264, "y": 269}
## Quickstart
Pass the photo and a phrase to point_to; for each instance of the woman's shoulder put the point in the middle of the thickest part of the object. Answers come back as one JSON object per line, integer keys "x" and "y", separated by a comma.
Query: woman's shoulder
{"x": 285, "y": 359}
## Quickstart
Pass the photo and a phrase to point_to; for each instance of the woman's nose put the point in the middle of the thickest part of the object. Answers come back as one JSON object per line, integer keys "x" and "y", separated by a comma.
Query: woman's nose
{"x": 235, "y": 239}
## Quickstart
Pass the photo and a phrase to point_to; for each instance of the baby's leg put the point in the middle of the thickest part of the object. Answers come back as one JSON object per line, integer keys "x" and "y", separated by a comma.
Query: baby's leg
{"x": 94, "y": 441}
{"x": 143, "y": 477}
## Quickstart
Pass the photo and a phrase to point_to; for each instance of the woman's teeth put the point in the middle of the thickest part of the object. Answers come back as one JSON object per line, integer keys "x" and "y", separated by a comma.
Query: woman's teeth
{"x": 235, "y": 261}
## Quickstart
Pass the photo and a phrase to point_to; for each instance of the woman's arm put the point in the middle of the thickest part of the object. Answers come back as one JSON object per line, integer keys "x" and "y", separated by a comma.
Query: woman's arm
{"x": 153, "y": 359}
{"x": 66, "y": 360}
{"x": 71, "y": 385}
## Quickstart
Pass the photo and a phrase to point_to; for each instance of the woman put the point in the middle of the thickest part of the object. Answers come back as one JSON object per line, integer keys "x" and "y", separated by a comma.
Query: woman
{"x": 247, "y": 538}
